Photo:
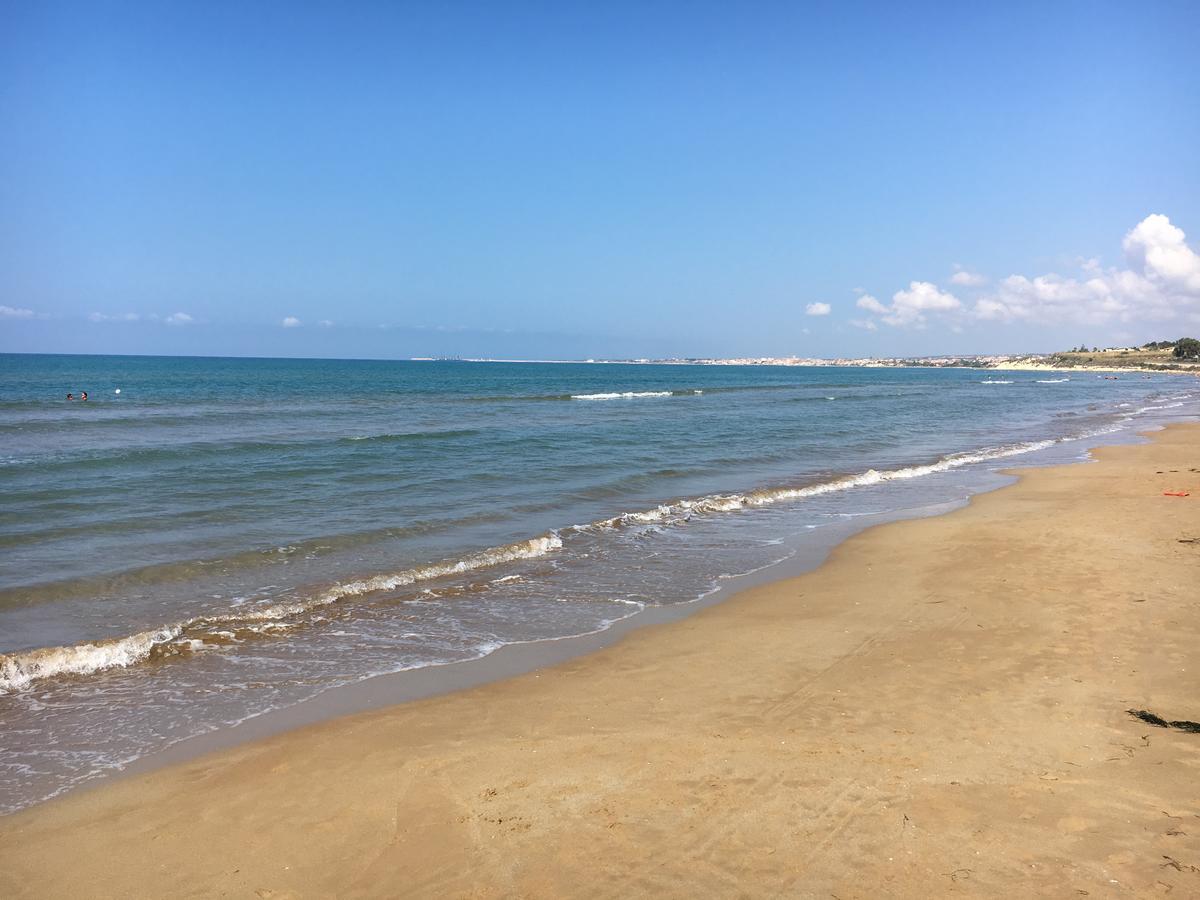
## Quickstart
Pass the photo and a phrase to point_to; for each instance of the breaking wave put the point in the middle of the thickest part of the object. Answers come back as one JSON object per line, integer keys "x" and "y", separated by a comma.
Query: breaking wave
{"x": 634, "y": 395}
{"x": 18, "y": 670}
{"x": 22, "y": 668}
{"x": 716, "y": 503}
{"x": 404, "y": 436}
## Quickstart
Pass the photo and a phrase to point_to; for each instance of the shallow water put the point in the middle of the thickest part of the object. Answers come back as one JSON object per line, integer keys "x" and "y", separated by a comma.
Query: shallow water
{"x": 227, "y": 536}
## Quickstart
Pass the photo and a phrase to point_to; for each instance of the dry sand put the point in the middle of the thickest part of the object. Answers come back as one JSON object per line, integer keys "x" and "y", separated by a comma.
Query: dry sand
{"x": 939, "y": 710}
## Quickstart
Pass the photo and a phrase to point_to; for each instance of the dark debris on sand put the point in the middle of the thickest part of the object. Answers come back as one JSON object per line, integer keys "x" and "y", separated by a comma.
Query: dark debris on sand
{"x": 1151, "y": 719}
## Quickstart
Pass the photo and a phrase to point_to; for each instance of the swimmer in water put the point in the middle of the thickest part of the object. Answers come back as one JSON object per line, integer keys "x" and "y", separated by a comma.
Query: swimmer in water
{"x": 70, "y": 396}
{"x": 83, "y": 395}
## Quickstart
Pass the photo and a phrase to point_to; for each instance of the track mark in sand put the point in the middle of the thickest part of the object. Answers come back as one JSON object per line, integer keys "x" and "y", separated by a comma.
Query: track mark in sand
{"x": 788, "y": 704}
{"x": 1177, "y": 865}
{"x": 839, "y": 812}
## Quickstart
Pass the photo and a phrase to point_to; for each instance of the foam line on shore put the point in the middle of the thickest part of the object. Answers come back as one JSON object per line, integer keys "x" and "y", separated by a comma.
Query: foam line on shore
{"x": 20, "y": 669}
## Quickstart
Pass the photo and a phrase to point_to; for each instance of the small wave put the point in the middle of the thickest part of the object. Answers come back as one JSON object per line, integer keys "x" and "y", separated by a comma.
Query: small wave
{"x": 19, "y": 670}
{"x": 613, "y": 395}
{"x": 684, "y": 509}
{"x": 406, "y": 436}
{"x": 1155, "y": 407}
{"x": 994, "y": 381}
{"x": 1052, "y": 380}
{"x": 625, "y": 395}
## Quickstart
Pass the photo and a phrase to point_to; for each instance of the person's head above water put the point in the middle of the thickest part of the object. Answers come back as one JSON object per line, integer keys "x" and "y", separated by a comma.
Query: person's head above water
{"x": 83, "y": 395}
{"x": 70, "y": 396}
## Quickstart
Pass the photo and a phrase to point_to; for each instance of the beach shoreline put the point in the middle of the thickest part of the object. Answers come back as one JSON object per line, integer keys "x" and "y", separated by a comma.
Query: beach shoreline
{"x": 942, "y": 702}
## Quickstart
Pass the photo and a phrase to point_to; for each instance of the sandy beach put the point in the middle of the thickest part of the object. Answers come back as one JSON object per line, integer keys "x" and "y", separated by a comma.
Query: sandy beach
{"x": 938, "y": 710}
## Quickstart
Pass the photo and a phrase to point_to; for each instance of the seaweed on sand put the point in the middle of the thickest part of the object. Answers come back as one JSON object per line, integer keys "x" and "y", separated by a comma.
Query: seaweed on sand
{"x": 1151, "y": 719}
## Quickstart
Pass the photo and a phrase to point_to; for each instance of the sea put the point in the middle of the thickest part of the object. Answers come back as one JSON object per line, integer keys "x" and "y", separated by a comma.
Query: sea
{"x": 206, "y": 540}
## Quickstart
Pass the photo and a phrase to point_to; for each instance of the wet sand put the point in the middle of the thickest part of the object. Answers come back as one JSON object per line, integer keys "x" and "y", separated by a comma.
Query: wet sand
{"x": 938, "y": 710}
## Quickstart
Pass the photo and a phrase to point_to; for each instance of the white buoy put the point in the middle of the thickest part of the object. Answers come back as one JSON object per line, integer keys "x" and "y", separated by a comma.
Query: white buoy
{"x": 117, "y": 391}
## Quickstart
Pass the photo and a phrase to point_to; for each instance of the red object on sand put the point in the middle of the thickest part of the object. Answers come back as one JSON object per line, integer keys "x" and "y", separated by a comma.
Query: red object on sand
{"x": 1176, "y": 494}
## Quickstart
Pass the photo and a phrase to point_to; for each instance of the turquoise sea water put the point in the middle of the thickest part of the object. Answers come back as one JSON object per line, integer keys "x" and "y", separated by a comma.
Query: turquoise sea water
{"x": 227, "y": 536}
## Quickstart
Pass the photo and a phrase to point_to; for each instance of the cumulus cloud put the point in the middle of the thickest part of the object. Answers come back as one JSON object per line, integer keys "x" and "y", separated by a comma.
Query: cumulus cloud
{"x": 818, "y": 309}
{"x": 1161, "y": 282}
{"x": 1161, "y": 250}
{"x": 179, "y": 318}
{"x": 290, "y": 322}
{"x": 910, "y": 307}
{"x": 15, "y": 312}
{"x": 966, "y": 278}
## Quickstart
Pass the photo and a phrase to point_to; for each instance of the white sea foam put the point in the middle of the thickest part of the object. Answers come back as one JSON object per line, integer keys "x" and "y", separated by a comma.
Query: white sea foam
{"x": 995, "y": 381}
{"x": 1158, "y": 406}
{"x": 534, "y": 547}
{"x": 1052, "y": 380}
{"x": 625, "y": 395}
{"x": 682, "y": 510}
{"x": 19, "y": 670}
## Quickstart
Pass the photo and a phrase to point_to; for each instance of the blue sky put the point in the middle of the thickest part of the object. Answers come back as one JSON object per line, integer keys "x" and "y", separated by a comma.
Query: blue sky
{"x": 562, "y": 181}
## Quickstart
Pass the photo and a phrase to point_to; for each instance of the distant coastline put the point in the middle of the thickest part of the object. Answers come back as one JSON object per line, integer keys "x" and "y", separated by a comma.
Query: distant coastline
{"x": 1118, "y": 359}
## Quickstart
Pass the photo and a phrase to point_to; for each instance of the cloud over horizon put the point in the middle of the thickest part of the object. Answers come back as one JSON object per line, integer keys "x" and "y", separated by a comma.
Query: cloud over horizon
{"x": 910, "y": 307}
{"x": 1161, "y": 282}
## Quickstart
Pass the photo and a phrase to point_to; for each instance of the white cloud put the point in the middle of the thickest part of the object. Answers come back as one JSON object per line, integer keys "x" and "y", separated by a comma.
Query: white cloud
{"x": 818, "y": 309}
{"x": 179, "y": 318}
{"x": 15, "y": 312}
{"x": 325, "y": 323}
{"x": 119, "y": 317}
{"x": 1161, "y": 250}
{"x": 290, "y": 322}
{"x": 1162, "y": 281}
{"x": 910, "y": 307}
{"x": 870, "y": 304}
{"x": 966, "y": 278}
{"x": 868, "y": 324}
